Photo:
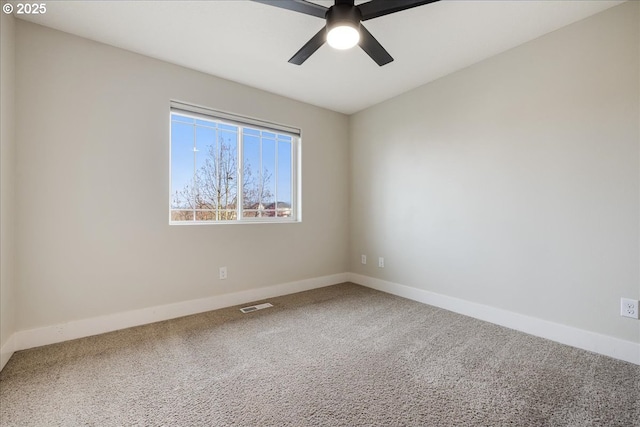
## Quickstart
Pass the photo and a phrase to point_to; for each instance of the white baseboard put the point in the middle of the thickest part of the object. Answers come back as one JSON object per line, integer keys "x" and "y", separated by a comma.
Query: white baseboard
{"x": 586, "y": 340}
{"x": 6, "y": 351}
{"x": 30, "y": 338}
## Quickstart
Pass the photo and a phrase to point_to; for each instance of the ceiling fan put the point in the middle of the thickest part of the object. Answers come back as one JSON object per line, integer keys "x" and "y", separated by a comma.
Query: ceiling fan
{"x": 343, "y": 29}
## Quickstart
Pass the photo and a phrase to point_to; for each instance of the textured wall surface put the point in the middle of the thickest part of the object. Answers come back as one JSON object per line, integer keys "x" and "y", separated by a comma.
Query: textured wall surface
{"x": 93, "y": 186}
{"x": 513, "y": 183}
{"x": 7, "y": 179}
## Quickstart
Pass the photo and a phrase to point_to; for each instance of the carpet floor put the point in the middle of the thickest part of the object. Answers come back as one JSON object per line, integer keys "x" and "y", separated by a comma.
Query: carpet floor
{"x": 343, "y": 355}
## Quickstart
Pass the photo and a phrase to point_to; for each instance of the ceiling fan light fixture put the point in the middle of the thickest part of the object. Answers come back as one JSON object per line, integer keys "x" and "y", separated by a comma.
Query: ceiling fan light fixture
{"x": 343, "y": 37}
{"x": 343, "y": 26}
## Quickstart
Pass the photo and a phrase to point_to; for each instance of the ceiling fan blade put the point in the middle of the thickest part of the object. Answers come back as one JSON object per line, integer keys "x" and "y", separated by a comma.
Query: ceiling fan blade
{"x": 309, "y": 48}
{"x": 374, "y": 49}
{"x": 376, "y": 8}
{"x": 301, "y": 6}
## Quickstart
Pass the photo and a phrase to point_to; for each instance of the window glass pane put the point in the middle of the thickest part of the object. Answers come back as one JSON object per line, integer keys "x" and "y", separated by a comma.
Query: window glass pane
{"x": 249, "y": 131}
{"x": 205, "y": 215}
{"x": 250, "y": 171}
{"x": 182, "y": 119}
{"x": 206, "y": 123}
{"x": 268, "y": 184}
{"x": 249, "y": 213}
{"x": 284, "y": 175}
{"x": 181, "y": 215}
{"x": 227, "y": 215}
{"x": 182, "y": 156}
{"x": 205, "y": 167}
{"x": 226, "y": 186}
{"x": 224, "y": 126}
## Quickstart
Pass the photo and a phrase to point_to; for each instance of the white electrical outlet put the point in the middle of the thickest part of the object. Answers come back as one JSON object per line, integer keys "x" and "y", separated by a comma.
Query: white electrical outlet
{"x": 363, "y": 259}
{"x": 629, "y": 308}
{"x": 381, "y": 262}
{"x": 223, "y": 273}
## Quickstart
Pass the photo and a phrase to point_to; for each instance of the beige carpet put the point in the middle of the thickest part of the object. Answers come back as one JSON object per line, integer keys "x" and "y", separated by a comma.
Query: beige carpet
{"x": 343, "y": 355}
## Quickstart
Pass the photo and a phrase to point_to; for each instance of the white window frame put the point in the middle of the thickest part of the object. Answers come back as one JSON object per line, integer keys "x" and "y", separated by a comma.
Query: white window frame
{"x": 204, "y": 113}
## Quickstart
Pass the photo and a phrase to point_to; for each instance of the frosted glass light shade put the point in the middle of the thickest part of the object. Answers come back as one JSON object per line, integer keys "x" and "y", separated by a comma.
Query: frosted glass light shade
{"x": 343, "y": 37}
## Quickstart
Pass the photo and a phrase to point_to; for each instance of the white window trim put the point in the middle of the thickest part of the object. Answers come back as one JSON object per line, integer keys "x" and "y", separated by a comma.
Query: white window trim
{"x": 190, "y": 110}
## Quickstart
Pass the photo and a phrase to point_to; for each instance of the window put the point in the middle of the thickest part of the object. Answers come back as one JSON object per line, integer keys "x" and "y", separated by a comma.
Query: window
{"x": 226, "y": 168}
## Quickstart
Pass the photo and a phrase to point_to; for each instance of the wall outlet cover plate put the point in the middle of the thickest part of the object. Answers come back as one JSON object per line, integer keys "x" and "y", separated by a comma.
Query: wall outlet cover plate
{"x": 629, "y": 308}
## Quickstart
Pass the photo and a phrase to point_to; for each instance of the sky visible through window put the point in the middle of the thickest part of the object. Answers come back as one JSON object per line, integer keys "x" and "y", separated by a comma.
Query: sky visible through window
{"x": 205, "y": 161}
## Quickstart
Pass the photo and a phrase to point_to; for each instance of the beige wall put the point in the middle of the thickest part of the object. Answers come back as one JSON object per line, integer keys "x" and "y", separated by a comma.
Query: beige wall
{"x": 93, "y": 176}
{"x": 515, "y": 182}
{"x": 7, "y": 180}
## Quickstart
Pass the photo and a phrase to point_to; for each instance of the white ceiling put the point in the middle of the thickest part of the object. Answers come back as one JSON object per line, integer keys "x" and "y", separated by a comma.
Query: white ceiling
{"x": 250, "y": 43}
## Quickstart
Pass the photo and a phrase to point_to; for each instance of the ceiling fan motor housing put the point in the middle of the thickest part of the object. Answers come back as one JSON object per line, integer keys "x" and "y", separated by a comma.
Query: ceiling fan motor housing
{"x": 343, "y": 14}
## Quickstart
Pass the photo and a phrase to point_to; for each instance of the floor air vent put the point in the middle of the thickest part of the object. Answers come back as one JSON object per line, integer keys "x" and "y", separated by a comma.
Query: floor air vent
{"x": 255, "y": 307}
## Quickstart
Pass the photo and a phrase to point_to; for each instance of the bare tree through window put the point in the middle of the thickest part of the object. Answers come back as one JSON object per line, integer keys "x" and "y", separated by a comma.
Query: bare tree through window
{"x": 207, "y": 164}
